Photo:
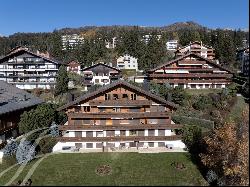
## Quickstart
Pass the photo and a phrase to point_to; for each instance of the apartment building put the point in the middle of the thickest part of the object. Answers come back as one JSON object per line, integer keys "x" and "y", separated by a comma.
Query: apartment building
{"x": 191, "y": 71}
{"x": 111, "y": 44}
{"x": 198, "y": 48}
{"x": 70, "y": 41}
{"x": 127, "y": 62}
{"x": 28, "y": 70}
{"x": 119, "y": 115}
{"x": 74, "y": 66}
{"x": 171, "y": 45}
{"x": 147, "y": 37}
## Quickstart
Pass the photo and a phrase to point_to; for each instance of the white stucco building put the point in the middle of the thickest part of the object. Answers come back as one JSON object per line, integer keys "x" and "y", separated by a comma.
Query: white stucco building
{"x": 171, "y": 45}
{"x": 127, "y": 62}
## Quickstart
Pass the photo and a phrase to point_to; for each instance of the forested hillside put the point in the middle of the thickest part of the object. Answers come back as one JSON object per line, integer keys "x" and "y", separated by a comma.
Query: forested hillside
{"x": 225, "y": 43}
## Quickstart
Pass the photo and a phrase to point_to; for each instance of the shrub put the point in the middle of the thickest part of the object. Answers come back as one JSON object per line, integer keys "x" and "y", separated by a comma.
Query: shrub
{"x": 10, "y": 149}
{"x": 202, "y": 103}
{"x": 211, "y": 177}
{"x": 25, "y": 152}
{"x": 54, "y": 130}
{"x": 46, "y": 145}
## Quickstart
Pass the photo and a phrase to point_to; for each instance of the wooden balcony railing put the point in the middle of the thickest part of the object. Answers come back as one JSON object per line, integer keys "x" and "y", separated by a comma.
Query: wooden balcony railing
{"x": 120, "y": 103}
{"x": 191, "y": 75}
{"x": 119, "y": 138}
{"x": 192, "y": 81}
{"x": 120, "y": 127}
{"x": 106, "y": 115}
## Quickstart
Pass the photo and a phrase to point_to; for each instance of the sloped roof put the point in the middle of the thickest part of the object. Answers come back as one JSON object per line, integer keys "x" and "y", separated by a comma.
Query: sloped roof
{"x": 23, "y": 50}
{"x": 195, "y": 42}
{"x": 98, "y": 64}
{"x": 88, "y": 96}
{"x": 185, "y": 56}
{"x": 13, "y": 98}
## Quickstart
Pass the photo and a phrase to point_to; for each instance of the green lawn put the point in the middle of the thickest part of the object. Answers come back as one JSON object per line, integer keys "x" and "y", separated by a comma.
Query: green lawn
{"x": 127, "y": 169}
{"x": 202, "y": 91}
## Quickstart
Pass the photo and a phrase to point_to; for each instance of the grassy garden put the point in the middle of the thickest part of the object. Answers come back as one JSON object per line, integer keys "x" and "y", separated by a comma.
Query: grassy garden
{"x": 126, "y": 169}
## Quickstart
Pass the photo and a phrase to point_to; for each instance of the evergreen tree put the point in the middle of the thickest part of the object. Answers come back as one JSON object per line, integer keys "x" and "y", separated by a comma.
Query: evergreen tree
{"x": 62, "y": 81}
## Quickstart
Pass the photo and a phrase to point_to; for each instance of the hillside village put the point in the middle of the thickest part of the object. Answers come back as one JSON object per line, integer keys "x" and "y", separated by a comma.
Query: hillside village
{"x": 153, "y": 92}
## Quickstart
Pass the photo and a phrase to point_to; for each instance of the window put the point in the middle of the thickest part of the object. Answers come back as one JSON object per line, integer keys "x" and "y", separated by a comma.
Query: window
{"x": 89, "y": 145}
{"x": 161, "y": 144}
{"x": 133, "y": 96}
{"x": 116, "y": 109}
{"x": 132, "y": 133}
{"x": 193, "y": 86}
{"x": 140, "y": 132}
{"x": 132, "y": 144}
{"x": 161, "y": 132}
{"x": 107, "y": 96}
{"x": 110, "y": 133}
{"x": 78, "y": 145}
{"x": 98, "y": 145}
{"x": 125, "y": 96}
{"x": 78, "y": 133}
{"x": 86, "y": 108}
{"x": 122, "y": 132}
{"x": 115, "y": 96}
{"x": 89, "y": 133}
{"x": 99, "y": 133}
{"x": 96, "y": 80}
{"x": 151, "y": 144}
{"x": 151, "y": 132}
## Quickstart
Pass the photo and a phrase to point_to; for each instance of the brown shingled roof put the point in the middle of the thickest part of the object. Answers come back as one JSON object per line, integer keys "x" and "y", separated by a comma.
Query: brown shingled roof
{"x": 184, "y": 56}
{"x": 88, "y": 96}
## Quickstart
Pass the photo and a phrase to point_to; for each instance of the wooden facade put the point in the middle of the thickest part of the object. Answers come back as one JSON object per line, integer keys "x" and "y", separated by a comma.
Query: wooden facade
{"x": 120, "y": 113}
{"x": 191, "y": 71}
{"x": 196, "y": 48}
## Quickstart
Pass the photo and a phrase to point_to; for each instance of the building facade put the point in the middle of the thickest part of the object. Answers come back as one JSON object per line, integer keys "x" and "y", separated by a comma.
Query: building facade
{"x": 70, "y": 41}
{"x": 28, "y": 70}
{"x": 111, "y": 44}
{"x": 74, "y": 67}
{"x": 197, "y": 48}
{"x": 13, "y": 102}
{"x": 119, "y": 115}
{"x": 243, "y": 58}
{"x": 127, "y": 62}
{"x": 171, "y": 45}
{"x": 100, "y": 74}
{"x": 191, "y": 71}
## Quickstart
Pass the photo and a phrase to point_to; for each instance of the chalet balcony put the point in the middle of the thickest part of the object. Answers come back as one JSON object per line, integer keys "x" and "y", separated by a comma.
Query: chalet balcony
{"x": 104, "y": 115}
{"x": 191, "y": 81}
{"x": 120, "y": 127}
{"x": 119, "y": 138}
{"x": 191, "y": 75}
{"x": 120, "y": 102}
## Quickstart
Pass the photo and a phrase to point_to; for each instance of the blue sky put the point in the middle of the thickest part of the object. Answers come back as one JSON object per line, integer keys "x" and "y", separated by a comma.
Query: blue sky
{"x": 47, "y": 15}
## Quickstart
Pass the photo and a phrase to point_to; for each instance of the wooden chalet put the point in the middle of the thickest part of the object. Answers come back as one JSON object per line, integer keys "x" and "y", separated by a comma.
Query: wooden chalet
{"x": 119, "y": 115}
{"x": 191, "y": 71}
{"x": 198, "y": 48}
{"x": 101, "y": 74}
